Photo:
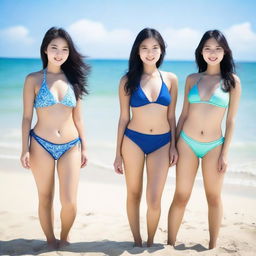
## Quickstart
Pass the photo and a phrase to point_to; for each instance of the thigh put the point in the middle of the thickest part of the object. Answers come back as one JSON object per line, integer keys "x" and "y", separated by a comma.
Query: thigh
{"x": 186, "y": 168}
{"x": 68, "y": 167}
{"x": 133, "y": 158}
{"x": 157, "y": 169}
{"x": 213, "y": 179}
{"x": 42, "y": 166}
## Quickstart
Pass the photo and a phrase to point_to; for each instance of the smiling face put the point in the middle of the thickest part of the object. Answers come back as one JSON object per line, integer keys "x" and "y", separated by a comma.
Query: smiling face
{"x": 57, "y": 51}
{"x": 150, "y": 51}
{"x": 212, "y": 52}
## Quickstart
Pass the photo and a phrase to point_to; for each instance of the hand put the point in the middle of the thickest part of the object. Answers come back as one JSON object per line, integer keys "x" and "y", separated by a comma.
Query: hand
{"x": 84, "y": 158}
{"x": 222, "y": 164}
{"x": 118, "y": 165}
{"x": 173, "y": 156}
{"x": 25, "y": 160}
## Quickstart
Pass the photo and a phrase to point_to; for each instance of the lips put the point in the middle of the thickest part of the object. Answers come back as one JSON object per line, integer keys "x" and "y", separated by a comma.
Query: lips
{"x": 150, "y": 59}
{"x": 57, "y": 59}
{"x": 212, "y": 59}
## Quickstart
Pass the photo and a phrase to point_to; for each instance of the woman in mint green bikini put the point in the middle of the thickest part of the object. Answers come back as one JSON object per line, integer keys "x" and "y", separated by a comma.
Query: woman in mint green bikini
{"x": 208, "y": 94}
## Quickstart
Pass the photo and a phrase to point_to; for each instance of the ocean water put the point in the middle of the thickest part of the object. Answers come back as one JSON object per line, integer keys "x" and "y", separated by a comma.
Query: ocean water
{"x": 101, "y": 112}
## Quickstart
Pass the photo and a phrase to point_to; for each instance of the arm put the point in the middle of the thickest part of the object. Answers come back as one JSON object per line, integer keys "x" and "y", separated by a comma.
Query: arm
{"x": 28, "y": 101}
{"x": 124, "y": 119}
{"x": 78, "y": 120}
{"x": 172, "y": 119}
{"x": 185, "y": 108}
{"x": 235, "y": 94}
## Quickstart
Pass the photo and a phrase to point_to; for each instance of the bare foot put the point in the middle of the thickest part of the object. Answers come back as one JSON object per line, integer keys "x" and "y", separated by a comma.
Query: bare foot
{"x": 63, "y": 243}
{"x": 149, "y": 243}
{"x": 53, "y": 245}
{"x": 137, "y": 244}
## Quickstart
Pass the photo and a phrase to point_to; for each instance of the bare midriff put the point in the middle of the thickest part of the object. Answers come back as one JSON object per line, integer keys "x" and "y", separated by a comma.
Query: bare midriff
{"x": 150, "y": 119}
{"x": 55, "y": 124}
{"x": 203, "y": 122}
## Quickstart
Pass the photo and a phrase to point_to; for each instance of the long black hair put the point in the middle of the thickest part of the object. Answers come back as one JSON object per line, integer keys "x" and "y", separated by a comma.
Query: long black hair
{"x": 74, "y": 67}
{"x": 227, "y": 65}
{"x": 135, "y": 69}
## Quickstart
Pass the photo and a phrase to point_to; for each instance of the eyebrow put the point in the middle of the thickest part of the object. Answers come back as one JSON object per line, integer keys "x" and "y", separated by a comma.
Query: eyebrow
{"x": 210, "y": 45}
{"x": 143, "y": 45}
{"x": 57, "y": 45}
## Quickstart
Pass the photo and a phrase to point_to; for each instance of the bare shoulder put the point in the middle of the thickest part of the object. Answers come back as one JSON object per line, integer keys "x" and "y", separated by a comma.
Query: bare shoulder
{"x": 170, "y": 76}
{"x": 193, "y": 78}
{"x": 34, "y": 78}
{"x": 237, "y": 88}
{"x": 123, "y": 81}
{"x": 237, "y": 79}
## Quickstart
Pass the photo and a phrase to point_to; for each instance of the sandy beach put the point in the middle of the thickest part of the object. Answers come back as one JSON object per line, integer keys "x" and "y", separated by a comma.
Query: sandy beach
{"x": 101, "y": 226}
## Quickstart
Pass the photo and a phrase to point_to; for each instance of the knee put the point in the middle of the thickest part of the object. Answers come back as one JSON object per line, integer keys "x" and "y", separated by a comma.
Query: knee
{"x": 45, "y": 199}
{"x": 180, "y": 199}
{"x": 134, "y": 196}
{"x": 213, "y": 200}
{"x": 69, "y": 204}
{"x": 154, "y": 202}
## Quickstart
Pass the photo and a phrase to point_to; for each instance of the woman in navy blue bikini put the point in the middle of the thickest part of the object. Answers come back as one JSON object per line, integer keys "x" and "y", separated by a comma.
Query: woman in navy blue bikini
{"x": 149, "y": 135}
{"x": 55, "y": 93}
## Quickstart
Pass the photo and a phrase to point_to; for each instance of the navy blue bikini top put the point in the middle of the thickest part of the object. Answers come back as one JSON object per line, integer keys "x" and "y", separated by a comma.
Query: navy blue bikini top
{"x": 139, "y": 98}
{"x": 45, "y": 98}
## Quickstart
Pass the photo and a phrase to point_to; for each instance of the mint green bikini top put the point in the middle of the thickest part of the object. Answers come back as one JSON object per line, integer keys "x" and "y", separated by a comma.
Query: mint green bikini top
{"x": 219, "y": 98}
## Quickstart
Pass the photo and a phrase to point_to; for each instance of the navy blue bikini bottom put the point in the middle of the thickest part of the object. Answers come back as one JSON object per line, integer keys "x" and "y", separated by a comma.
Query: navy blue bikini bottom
{"x": 148, "y": 143}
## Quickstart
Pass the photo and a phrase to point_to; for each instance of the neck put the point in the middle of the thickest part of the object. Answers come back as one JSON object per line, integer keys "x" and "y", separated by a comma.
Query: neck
{"x": 149, "y": 70}
{"x": 213, "y": 70}
{"x": 53, "y": 69}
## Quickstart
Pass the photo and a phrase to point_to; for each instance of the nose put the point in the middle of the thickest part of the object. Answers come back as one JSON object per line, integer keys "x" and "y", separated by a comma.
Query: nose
{"x": 58, "y": 52}
{"x": 150, "y": 52}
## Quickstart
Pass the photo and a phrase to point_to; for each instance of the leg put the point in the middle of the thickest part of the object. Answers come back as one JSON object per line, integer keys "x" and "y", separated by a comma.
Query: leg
{"x": 68, "y": 167}
{"x": 133, "y": 165}
{"x": 43, "y": 165}
{"x": 157, "y": 169}
{"x": 186, "y": 170}
{"x": 213, "y": 181}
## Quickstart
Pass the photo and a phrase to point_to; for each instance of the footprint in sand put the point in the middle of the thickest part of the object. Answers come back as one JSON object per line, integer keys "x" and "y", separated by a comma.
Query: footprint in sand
{"x": 228, "y": 250}
{"x": 88, "y": 214}
{"x": 162, "y": 230}
{"x": 190, "y": 227}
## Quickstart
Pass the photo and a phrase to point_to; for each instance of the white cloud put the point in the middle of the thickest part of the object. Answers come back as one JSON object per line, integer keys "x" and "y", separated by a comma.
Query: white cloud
{"x": 181, "y": 43}
{"x": 242, "y": 40}
{"x": 17, "y": 42}
{"x": 96, "y": 41}
{"x": 16, "y": 34}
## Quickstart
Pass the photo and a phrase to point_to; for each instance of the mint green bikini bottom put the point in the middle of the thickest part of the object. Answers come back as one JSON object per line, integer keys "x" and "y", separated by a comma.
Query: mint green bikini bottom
{"x": 200, "y": 148}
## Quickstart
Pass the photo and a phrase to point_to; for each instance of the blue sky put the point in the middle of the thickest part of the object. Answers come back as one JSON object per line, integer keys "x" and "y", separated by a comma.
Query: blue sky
{"x": 107, "y": 29}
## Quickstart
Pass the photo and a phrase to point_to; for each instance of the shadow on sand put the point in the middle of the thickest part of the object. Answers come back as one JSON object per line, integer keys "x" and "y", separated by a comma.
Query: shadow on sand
{"x": 196, "y": 247}
{"x": 107, "y": 247}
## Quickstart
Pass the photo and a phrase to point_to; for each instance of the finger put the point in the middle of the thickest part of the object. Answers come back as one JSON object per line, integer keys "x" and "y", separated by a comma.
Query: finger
{"x": 175, "y": 159}
{"x": 171, "y": 160}
{"x": 119, "y": 170}
{"x": 219, "y": 166}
